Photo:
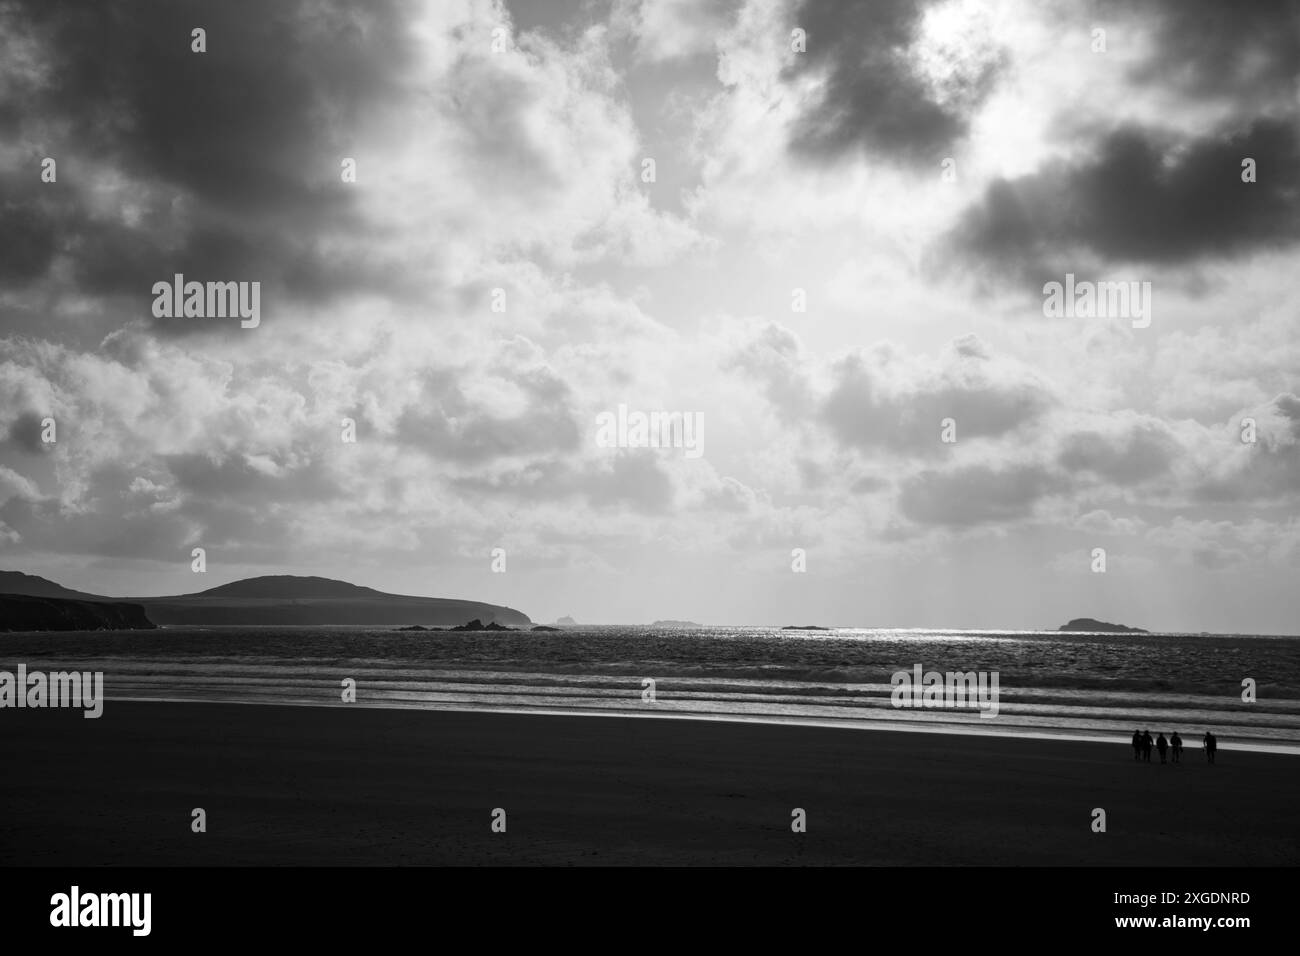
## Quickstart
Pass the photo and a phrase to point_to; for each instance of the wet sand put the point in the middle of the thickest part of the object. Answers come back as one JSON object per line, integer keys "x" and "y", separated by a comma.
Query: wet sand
{"x": 350, "y": 785}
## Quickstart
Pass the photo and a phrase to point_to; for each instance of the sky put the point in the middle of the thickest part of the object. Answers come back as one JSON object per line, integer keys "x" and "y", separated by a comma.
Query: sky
{"x": 838, "y": 267}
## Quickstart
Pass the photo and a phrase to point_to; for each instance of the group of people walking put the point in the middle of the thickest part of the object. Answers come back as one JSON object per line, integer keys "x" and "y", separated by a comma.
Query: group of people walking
{"x": 1142, "y": 744}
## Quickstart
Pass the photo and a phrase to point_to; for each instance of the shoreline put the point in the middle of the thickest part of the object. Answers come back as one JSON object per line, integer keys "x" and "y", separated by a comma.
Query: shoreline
{"x": 900, "y": 726}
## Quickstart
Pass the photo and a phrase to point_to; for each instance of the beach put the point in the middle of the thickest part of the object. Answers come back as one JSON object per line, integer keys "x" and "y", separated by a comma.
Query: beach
{"x": 351, "y": 785}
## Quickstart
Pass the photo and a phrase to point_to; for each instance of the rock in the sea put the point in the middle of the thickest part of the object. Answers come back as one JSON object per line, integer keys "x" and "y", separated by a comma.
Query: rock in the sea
{"x": 566, "y": 622}
{"x": 477, "y": 625}
{"x": 804, "y": 627}
{"x": 543, "y": 627}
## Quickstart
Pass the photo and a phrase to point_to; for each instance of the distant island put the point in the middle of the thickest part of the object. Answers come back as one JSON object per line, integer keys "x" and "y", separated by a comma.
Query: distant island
{"x": 671, "y": 623}
{"x": 282, "y": 599}
{"x": 566, "y": 622}
{"x": 477, "y": 625}
{"x": 26, "y": 612}
{"x": 804, "y": 627}
{"x": 1088, "y": 624}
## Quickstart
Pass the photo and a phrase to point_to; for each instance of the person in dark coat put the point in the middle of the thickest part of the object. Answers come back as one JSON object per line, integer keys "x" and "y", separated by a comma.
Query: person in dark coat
{"x": 1162, "y": 745}
{"x": 1176, "y": 745}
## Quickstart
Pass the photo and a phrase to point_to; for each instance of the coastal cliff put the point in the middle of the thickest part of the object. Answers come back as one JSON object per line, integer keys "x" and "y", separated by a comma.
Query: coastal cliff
{"x": 23, "y": 612}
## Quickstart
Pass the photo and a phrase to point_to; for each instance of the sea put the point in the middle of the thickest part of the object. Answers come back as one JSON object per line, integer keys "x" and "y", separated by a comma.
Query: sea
{"x": 1091, "y": 686}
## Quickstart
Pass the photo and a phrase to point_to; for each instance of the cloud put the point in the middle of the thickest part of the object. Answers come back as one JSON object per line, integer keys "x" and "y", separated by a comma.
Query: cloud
{"x": 1203, "y": 49}
{"x": 628, "y": 480}
{"x": 1264, "y": 471}
{"x": 153, "y": 179}
{"x": 666, "y": 30}
{"x": 1145, "y": 197}
{"x": 242, "y": 180}
{"x": 771, "y": 356}
{"x": 873, "y": 93}
{"x": 518, "y": 170}
{"x": 1128, "y": 451}
{"x": 1102, "y": 521}
{"x": 976, "y": 494}
{"x": 886, "y": 399}
{"x": 1221, "y": 545}
{"x": 451, "y": 426}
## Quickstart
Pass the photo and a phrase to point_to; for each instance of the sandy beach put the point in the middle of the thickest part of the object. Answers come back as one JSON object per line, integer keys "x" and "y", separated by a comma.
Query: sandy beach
{"x": 350, "y": 785}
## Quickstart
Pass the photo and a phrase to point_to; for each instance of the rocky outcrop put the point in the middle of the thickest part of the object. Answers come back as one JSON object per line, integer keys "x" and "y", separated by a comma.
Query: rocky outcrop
{"x": 477, "y": 625}
{"x": 25, "y": 612}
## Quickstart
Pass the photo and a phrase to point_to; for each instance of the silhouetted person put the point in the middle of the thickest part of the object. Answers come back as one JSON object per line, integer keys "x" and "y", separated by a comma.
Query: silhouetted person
{"x": 1162, "y": 745}
{"x": 1146, "y": 745}
{"x": 1137, "y": 745}
{"x": 1210, "y": 744}
{"x": 1176, "y": 745}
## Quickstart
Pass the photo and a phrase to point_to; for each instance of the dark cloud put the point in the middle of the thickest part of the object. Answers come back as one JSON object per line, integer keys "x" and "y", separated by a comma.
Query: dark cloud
{"x": 27, "y": 237}
{"x": 242, "y": 125}
{"x": 1146, "y": 197}
{"x": 873, "y": 99}
{"x": 238, "y": 147}
{"x": 1208, "y": 49}
{"x": 25, "y": 432}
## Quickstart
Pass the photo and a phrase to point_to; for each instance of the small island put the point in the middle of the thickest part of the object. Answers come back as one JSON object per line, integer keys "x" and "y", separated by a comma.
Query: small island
{"x": 672, "y": 623}
{"x": 545, "y": 627}
{"x": 477, "y": 625}
{"x": 1089, "y": 624}
{"x": 566, "y": 622}
{"x": 804, "y": 627}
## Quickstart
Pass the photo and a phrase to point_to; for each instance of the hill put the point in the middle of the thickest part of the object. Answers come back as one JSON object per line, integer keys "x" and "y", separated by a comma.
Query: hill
{"x": 284, "y": 599}
{"x": 290, "y": 586}
{"x": 15, "y": 582}
{"x": 1089, "y": 624}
